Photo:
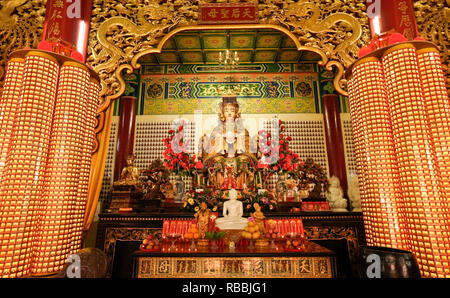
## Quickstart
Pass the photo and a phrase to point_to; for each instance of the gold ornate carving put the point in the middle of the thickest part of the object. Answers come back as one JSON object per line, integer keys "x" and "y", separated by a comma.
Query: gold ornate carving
{"x": 235, "y": 267}
{"x": 315, "y": 24}
{"x": 21, "y": 25}
{"x": 121, "y": 32}
{"x": 121, "y": 29}
{"x": 433, "y": 24}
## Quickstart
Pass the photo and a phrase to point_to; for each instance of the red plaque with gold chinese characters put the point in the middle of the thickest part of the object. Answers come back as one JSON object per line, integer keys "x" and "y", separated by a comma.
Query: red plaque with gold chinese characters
{"x": 228, "y": 13}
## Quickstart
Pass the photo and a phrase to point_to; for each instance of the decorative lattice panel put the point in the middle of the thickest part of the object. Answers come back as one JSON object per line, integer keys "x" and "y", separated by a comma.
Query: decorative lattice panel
{"x": 350, "y": 161}
{"x": 149, "y": 143}
{"x": 109, "y": 163}
{"x": 308, "y": 141}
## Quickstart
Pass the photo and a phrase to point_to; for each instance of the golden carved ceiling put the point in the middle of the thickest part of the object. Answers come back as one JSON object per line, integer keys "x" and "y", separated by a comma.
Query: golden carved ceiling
{"x": 122, "y": 31}
{"x": 433, "y": 24}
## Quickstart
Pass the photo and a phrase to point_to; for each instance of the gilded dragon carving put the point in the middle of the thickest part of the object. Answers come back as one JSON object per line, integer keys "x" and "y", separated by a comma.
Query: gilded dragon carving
{"x": 303, "y": 16}
{"x": 21, "y": 25}
{"x": 127, "y": 33}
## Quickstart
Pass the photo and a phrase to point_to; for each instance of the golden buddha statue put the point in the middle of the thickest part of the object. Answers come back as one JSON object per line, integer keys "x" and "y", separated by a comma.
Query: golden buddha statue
{"x": 129, "y": 176}
{"x": 259, "y": 218}
{"x": 202, "y": 217}
{"x": 226, "y": 153}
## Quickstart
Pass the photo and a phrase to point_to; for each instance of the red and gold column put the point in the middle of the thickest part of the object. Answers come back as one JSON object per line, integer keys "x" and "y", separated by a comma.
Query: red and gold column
{"x": 382, "y": 200}
{"x": 438, "y": 109}
{"x": 410, "y": 106}
{"x": 63, "y": 170}
{"x": 360, "y": 156}
{"x": 8, "y": 105}
{"x": 426, "y": 207}
{"x": 86, "y": 158}
{"x": 47, "y": 118}
{"x": 23, "y": 180}
{"x": 43, "y": 189}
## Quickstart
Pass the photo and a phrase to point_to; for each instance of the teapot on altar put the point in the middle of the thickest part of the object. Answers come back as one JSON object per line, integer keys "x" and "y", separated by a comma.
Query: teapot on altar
{"x": 229, "y": 155}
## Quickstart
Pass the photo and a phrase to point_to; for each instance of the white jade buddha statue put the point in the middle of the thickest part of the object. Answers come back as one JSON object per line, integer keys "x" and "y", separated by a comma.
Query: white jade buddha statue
{"x": 232, "y": 214}
{"x": 335, "y": 196}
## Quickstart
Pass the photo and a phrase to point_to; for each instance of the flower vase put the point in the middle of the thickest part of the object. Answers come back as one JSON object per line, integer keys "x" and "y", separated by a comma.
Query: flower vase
{"x": 180, "y": 188}
{"x": 214, "y": 245}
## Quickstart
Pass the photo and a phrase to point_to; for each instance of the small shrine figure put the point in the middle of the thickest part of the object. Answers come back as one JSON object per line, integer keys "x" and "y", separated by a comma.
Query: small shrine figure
{"x": 245, "y": 176}
{"x": 180, "y": 189}
{"x": 259, "y": 218}
{"x": 202, "y": 218}
{"x": 130, "y": 174}
{"x": 229, "y": 180}
{"x": 335, "y": 196}
{"x": 354, "y": 194}
{"x": 281, "y": 189}
{"x": 168, "y": 192}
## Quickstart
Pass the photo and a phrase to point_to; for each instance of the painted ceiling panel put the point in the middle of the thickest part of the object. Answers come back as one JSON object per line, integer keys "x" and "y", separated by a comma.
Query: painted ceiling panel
{"x": 253, "y": 46}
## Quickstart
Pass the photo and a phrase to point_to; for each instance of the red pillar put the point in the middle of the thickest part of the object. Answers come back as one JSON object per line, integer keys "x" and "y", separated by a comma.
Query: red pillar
{"x": 66, "y": 28}
{"x": 334, "y": 139}
{"x": 125, "y": 137}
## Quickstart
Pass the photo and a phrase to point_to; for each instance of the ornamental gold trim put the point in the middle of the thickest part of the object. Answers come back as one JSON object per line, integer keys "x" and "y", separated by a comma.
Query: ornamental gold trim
{"x": 131, "y": 26}
{"x": 126, "y": 33}
{"x": 158, "y": 49}
{"x": 235, "y": 267}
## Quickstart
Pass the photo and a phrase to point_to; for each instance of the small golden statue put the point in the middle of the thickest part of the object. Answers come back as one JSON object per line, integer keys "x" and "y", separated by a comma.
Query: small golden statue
{"x": 130, "y": 173}
{"x": 261, "y": 241}
{"x": 259, "y": 218}
{"x": 202, "y": 217}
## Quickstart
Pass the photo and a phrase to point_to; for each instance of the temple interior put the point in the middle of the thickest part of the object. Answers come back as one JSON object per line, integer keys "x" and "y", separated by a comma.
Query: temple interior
{"x": 231, "y": 139}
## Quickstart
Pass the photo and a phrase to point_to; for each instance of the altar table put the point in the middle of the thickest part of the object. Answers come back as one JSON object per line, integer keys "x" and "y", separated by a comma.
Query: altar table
{"x": 314, "y": 262}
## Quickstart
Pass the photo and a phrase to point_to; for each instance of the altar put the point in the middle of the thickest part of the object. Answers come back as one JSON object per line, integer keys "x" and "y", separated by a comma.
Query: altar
{"x": 119, "y": 235}
{"x": 314, "y": 262}
{"x": 236, "y": 181}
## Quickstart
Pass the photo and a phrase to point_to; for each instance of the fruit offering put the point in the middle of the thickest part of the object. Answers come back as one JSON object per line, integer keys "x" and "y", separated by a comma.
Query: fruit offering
{"x": 251, "y": 231}
{"x": 150, "y": 243}
{"x": 192, "y": 232}
{"x": 296, "y": 242}
{"x": 271, "y": 232}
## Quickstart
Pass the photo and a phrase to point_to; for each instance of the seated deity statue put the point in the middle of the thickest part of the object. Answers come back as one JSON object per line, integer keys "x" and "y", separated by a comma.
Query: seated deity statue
{"x": 232, "y": 214}
{"x": 228, "y": 143}
{"x": 335, "y": 196}
{"x": 130, "y": 174}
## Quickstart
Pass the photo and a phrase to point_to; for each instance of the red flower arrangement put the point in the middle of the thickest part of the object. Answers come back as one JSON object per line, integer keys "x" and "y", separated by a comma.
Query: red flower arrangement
{"x": 176, "y": 158}
{"x": 277, "y": 157}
